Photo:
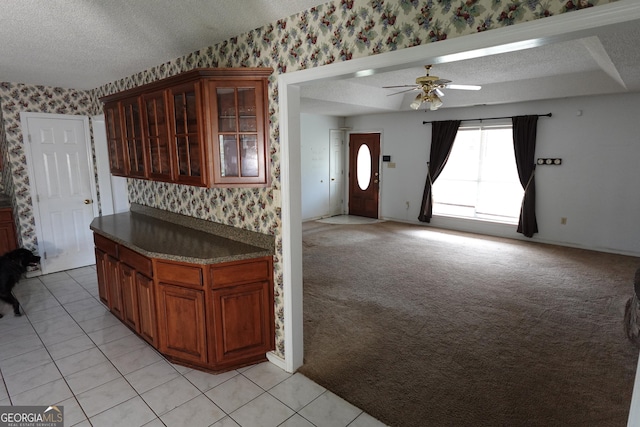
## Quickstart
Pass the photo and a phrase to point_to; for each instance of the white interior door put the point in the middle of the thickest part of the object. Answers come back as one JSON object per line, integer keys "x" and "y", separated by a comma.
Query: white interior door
{"x": 63, "y": 188}
{"x": 336, "y": 174}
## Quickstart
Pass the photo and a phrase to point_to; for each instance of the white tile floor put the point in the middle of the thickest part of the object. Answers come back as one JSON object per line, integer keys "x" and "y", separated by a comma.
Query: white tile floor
{"x": 69, "y": 350}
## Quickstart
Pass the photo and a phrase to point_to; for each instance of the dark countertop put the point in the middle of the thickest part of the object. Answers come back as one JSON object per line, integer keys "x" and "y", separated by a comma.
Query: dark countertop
{"x": 176, "y": 237}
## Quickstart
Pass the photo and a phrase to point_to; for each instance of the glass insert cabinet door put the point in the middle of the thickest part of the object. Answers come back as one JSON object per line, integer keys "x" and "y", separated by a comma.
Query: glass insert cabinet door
{"x": 240, "y": 132}
{"x": 133, "y": 141}
{"x": 187, "y": 133}
{"x": 157, "y": 135}
{"x": 115, "y": 141}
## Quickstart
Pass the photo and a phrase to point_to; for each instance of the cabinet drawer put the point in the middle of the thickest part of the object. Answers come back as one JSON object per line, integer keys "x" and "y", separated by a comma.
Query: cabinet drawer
{"x": 182, "y": 274}
{"x": 6, "y": 215}
{"x": 139, "y": 262}
{"x": 105, "y": 245}
{"x": 241, "y": 272}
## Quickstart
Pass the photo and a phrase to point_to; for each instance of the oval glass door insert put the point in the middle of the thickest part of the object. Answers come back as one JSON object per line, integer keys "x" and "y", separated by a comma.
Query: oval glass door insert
{"x": 364, "y": 167}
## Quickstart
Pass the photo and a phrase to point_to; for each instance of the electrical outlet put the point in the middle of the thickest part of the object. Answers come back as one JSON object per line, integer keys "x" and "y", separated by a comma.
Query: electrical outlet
{"x": 563, "y": 221}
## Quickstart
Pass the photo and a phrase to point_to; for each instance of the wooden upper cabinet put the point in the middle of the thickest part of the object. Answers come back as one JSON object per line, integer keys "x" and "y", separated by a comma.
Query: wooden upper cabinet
{"x": 206, "y": 127}
{"x": 133, "y": 140}
{"x": 115, "y": 145}
{"x": 156, "y": 131}
{"x": 187, "y": 135}
{"x": 239, "y": 122}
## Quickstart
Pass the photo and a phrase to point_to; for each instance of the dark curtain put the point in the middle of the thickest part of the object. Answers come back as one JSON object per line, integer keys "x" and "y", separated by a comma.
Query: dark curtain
{"x": 524, "y": 145}
{"x": 442, "y": 136}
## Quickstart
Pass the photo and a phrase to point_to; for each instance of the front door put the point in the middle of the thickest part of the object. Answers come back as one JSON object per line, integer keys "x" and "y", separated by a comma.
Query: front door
{"x": 364, "y": 174}
{"x": 63, "y": 188}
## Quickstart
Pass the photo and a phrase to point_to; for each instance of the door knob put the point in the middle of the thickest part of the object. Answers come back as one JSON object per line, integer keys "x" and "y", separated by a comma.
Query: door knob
{"x": 88, "y": 201}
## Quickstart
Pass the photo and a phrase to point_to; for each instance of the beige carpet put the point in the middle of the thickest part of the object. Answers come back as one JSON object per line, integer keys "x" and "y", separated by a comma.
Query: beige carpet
{"x": 421, "y": 327}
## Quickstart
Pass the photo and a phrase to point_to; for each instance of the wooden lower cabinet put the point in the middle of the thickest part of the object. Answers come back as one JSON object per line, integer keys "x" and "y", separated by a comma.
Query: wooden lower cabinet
{"x": 147, "y": 325}
{"x": 212, "y": 317}
{"x": 116, "y": 303}
{"x": 241, "y": 310}
{"x": 8, "y": 238}
{"x": 138, "y": 300}
{"x": 241, "y": 327}
{"x": 101, "y": 268}
{"x": 182, "y": 323}
{"x": 130, "y": 314}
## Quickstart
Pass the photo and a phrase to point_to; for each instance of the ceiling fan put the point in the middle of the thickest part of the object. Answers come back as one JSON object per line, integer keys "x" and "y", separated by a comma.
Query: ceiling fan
{"x": 431, "y": 87}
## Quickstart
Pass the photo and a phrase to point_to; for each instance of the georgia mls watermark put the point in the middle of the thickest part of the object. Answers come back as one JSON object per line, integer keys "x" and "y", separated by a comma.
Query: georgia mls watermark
{"x": 31, "y": 416}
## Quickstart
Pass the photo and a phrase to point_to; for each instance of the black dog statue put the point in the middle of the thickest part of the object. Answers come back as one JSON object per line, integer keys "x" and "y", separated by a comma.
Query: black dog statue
{"x": 13, "y": 265}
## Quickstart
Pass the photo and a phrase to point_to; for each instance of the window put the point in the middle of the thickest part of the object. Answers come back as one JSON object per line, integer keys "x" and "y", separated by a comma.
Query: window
{"x": 480, "y": 179}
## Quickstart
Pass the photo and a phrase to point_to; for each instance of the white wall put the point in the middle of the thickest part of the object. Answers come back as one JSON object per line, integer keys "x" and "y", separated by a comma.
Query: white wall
{"x": 596, "y": 188}
{"x": 315, "y": 144}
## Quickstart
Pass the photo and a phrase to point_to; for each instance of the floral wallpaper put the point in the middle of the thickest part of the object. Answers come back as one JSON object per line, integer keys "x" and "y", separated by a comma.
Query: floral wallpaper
{"x": 14, "y": 99}
{"x": 339, "y": 30}
{"x": 5, "y": 175}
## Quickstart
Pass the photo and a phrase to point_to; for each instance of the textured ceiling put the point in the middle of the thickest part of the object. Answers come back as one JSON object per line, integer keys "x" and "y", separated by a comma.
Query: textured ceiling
{"x": 84, "y": 44}
{"x": 602, "y": 62}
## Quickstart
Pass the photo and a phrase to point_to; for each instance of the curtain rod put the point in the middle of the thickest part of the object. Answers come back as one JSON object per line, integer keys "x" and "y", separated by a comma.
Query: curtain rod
{"x": 488, "y": 118}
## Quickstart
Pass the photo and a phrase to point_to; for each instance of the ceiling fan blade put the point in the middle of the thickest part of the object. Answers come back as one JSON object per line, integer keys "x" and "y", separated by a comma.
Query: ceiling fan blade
{"x": 441, "y": 82}
{"x": 463, "y": 87}
{"x": 438, "y": 92}
{"x": 391, "y": 87}
{"x": 404, "y": 91}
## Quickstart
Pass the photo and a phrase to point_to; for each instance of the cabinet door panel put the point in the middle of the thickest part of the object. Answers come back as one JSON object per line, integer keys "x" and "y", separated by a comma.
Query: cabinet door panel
{"x": 101, "y": 268}
{"x": 178, "y": 273}
{"x": 156, "y": 129}
{"x": 129, "y": 296}
{"x": 242, "y": 322}
{"x": 255, "y": 270}
{"x": 186, "y": 134}
{"x": 138, "y": 262}
{"x": 147, "y": 309}
{"x": 239, "y": 115}
{"x": 133, "y": 140}
{"x": 182, "y": 330}
{"x": 115, "y": 141}
{"x": 113, "y": 284}
{"x": 106, "y": 245}
{"x": 8, "y": 240}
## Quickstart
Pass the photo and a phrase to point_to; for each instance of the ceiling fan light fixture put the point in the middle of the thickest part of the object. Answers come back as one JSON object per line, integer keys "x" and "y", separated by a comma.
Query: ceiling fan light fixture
{"x": 435, "y": 101}
{"x": 416, "y": 102}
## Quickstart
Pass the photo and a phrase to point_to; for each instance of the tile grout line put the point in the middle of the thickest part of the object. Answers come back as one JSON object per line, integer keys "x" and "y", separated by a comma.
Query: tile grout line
{"x": 101, "y": 352}
{"x": 180, "y": 374}
{"x": 49, "y": 353}
{"x": 108, "y": 359}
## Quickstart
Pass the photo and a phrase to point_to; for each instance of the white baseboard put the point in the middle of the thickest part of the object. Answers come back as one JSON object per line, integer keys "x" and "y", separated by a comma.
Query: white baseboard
{"x": 277, "y": 360}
